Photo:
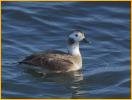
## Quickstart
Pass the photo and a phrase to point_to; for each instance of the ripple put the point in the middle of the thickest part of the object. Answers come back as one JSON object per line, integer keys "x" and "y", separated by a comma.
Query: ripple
{"x": 29, "y": 27}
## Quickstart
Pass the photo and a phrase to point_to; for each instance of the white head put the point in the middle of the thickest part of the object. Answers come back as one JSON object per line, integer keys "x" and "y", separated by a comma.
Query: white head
{"x": 77, "y": 36}
{"x": 73, "y": 42}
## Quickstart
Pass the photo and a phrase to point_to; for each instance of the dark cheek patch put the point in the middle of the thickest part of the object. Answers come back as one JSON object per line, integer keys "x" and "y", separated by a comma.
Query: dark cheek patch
{"x": 71, "y": 41}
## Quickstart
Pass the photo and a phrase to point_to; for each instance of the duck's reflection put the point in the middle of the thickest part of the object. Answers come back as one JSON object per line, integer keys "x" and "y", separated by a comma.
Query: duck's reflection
{"x": 69, "y": 77}
{"x": 71, "y": 80}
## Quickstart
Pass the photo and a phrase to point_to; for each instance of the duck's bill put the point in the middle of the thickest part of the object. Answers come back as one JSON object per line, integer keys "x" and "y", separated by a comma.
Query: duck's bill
{"x": 85, "y": 40}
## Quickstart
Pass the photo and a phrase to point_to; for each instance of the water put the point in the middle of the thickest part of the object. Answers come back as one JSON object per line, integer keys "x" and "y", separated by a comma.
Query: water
{"x": 29, "y": 27}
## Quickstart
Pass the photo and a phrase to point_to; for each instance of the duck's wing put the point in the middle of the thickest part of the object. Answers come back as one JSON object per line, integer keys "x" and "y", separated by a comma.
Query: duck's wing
{"x": 55, "y": 60}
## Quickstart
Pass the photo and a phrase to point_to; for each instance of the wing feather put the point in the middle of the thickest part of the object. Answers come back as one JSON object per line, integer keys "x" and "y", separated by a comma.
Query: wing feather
{"x": 53, "y": 60}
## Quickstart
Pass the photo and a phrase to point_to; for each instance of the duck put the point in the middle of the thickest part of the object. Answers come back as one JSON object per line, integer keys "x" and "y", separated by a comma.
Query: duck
{"x": 60, "y": 61}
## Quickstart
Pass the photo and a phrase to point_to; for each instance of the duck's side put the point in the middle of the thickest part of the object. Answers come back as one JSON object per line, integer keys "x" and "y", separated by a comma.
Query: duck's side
{"x": 55, "y": 61}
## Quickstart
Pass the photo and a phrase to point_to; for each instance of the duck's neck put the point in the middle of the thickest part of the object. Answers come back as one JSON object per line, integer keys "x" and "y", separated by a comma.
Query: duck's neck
{"x": 73, "y": 49}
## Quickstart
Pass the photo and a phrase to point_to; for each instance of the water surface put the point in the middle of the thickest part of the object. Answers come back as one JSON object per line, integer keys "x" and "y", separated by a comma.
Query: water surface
{"x": 29, "y": 27}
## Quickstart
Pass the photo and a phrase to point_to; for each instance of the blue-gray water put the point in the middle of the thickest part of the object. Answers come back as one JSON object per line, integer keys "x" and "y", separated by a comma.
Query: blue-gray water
{"x": 29, "y": 27}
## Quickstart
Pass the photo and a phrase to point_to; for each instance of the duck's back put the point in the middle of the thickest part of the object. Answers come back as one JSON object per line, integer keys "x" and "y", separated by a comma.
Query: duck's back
{"x": 54, "y": 60}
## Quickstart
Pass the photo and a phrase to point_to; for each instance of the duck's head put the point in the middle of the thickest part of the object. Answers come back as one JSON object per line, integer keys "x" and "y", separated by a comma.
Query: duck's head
{"x": 76, "y": 37}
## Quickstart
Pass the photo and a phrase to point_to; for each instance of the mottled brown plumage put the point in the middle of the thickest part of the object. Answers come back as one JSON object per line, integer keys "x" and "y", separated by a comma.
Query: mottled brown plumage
{"x": 54, "y": 60}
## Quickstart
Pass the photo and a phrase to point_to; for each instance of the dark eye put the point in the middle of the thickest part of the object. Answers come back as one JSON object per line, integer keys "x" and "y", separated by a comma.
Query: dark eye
{"x": 76, "y": 35}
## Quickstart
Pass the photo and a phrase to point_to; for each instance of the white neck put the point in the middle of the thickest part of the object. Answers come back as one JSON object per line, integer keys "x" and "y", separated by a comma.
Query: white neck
{"x": 73, "y": 49}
